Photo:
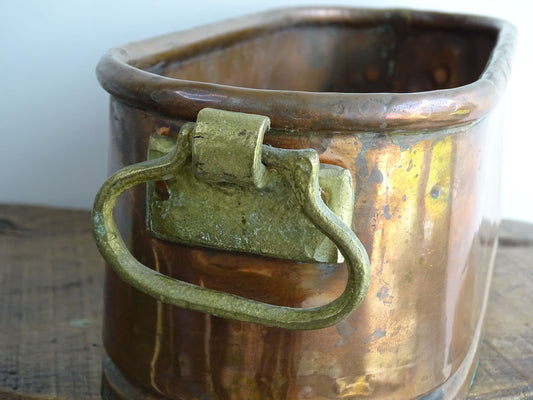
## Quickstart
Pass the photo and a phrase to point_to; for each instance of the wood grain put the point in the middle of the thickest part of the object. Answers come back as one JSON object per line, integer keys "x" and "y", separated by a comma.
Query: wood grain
{"x": 506, "y": 354}
{"x": 51, "y": 279}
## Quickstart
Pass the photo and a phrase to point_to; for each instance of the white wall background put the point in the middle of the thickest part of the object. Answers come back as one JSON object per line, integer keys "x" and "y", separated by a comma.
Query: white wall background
{"x": 53, "y": 113}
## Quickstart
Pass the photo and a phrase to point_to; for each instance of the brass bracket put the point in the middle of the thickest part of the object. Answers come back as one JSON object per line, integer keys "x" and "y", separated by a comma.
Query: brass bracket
{"x": 234, "y": 193}
{"x": 262, "y": 171}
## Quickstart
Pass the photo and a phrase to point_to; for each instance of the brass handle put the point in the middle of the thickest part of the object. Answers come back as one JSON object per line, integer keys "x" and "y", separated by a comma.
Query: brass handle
{"x": 302, "y": 167}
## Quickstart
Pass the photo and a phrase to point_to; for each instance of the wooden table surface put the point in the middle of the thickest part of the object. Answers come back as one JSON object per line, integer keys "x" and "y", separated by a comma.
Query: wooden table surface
{"x": 51, "y": 278}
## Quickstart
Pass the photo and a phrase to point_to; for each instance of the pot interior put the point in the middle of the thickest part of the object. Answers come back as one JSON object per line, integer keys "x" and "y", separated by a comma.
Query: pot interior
{"x": 340, "y": 57}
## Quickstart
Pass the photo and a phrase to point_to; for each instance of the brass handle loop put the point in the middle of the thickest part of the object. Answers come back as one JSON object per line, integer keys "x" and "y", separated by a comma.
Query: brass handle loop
{"x": 303, "y": 169}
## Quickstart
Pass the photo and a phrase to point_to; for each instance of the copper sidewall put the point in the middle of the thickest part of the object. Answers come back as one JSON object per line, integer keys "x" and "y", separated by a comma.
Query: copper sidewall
{"x": 426, "y": 213}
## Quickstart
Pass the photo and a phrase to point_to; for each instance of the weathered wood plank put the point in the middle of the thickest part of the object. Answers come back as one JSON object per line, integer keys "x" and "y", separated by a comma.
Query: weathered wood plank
{"x": 50, "y": 304}
{"x": 51, "y": 280}
{"x": 506, "y": 355}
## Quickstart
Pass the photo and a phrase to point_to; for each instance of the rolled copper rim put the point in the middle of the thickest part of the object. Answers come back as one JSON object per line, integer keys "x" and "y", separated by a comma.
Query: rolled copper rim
{"x": 121, "y": 73}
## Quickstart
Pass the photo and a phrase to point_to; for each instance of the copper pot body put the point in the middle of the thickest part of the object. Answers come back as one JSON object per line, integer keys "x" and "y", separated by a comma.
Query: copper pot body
{"x": 407, "y": 101}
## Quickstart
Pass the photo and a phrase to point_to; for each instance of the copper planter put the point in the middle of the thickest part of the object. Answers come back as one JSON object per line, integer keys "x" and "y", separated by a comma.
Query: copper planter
{"x": 407, "y": 102}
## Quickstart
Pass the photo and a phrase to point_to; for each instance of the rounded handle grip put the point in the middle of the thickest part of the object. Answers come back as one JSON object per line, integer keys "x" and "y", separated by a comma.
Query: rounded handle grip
{"x": 182, "y": 294}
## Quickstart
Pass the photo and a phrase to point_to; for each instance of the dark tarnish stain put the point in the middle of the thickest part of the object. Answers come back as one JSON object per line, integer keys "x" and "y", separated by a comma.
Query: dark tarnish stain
{"x": 387, "y": 349}
{"x": 361, "y": 173}
{"x": 384, "y": 295}
{"x": 345, "y": 330}
{"x": 386, "y": 212}
{"x": 436, "y": 191}
{"x": 327, "y": 269}
{"x": 361, "y": 165}
{"x": 383, "y": 261}
{"x": 383, "y": 292}
{"x": 376, "y": 335}
{"x": 376, "y": 175}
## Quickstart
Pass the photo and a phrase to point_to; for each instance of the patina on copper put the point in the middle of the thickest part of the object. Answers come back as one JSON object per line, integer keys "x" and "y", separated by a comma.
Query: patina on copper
{"x": 407, "y": 101}
{"x": 280, "y": 185}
